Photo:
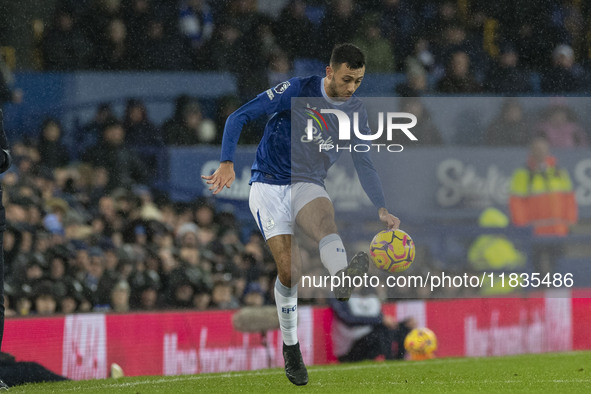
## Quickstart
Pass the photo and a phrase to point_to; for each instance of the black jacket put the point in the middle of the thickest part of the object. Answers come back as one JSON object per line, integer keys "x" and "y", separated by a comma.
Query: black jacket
{"x": 5, "y": 158}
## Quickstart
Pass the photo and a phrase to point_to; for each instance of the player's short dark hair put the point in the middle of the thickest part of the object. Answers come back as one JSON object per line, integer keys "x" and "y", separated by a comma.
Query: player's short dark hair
{"x": 349, "y": 54}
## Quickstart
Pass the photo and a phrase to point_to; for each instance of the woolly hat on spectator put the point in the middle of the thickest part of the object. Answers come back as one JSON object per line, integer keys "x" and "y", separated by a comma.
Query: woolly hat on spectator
{"x": 120, "y": 193}
{"x": 141, "y": 190}
{"x": 44, "y": 288}
{"x": 95, "y": 252}
{"x": 178, "y": 277}
{"x": 45, "y": 173}
{"x": 253, "y": 287}
{"x": 150, "y": 212}
{"x": 187, "y": 228}
{"x": 24, "y": 291}
{"x": 148, "y": 279}
{"x": 57, "y": 205}
{"x": 122, "y": 285}
{"x": 78, "y": 245}
{"x": 72, "y": 218}
{"x": 70, "y": 288}
{"x": 36, "y": 259}
{"x": 563, "y": 50}
{"x": 52, "y": 224}
{"x": 21, "y": 201}
{"x": 60, "y": 251}
{"x": 75, "y": 226}
{"x": 212, "y": 249}
{"x": 106, "y": 243}
{"x": 10, "y": 290}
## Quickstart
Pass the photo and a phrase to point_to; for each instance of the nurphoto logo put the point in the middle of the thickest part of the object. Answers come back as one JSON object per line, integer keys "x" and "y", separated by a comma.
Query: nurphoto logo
{"x": 316, "y": 125}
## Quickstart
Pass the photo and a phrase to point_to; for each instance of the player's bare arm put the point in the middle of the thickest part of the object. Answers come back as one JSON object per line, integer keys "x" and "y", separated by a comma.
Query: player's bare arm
{"x": 391, "y": 221}
{"x": 223, "y": 176}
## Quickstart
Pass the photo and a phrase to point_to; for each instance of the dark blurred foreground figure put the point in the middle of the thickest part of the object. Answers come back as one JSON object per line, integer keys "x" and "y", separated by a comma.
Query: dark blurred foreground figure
{"x": 7, "y": 94}
{"x": 20, "y": 372}
{"x": 4, "y": 165}
{"x": 361, "y": 331}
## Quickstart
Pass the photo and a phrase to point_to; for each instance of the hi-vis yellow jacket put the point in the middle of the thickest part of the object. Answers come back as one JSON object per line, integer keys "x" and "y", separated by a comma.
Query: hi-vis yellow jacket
{"x": 543, "y": 199}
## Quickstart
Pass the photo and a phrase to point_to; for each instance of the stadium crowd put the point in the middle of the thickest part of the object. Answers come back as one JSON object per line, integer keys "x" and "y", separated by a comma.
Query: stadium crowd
{"x": 85, "y": 232}
{"x": 463, "y": 46}
{"x": 74, "y": 244}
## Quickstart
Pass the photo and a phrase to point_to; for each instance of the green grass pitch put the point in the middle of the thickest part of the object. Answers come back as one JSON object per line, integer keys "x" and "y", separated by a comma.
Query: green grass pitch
{"x": 540, "y": 373}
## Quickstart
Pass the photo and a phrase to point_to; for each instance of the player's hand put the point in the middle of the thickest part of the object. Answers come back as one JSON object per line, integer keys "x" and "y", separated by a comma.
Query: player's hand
{"x": 223, "y": 176}
{"x": 391, "y": 221}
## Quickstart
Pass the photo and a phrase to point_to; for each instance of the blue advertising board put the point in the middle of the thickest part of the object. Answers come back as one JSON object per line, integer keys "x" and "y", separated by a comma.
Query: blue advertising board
{"x": 420, "y": 184}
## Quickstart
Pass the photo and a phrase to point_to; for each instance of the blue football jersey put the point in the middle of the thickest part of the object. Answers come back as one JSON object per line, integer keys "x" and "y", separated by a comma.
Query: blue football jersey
{"x": 284, "y": 155}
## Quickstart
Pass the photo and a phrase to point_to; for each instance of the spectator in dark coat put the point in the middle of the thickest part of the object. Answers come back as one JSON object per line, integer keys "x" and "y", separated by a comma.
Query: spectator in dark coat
{"x": 139, "y": 131}
{"x": 159, "y": 50}
{"x": 505, "y": 76}
{"x": 113, "y": 52}
{"x": 122, "y": 165}
{"x": 51, "y": 151}
{"x": 90, "y": 133}
{"x": 196, "y": 22}
{"x": 137, "y": 17}
{"x": 457, "y": 78}
{"x": 425, "y": 130}
{"x": 339, "y": 25}
{"x": 454, "y": 38}
{"x": 294, "y": 30}
{"x": 64, "y": 47}
{"x": 565, "y": 76}
{"x": 509, "y": 128}
{"x": 190, "y": 128}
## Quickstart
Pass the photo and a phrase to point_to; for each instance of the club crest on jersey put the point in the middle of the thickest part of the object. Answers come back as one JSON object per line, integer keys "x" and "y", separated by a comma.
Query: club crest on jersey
{"x": 282, "y": 87}
{"x": 269, "y": 224}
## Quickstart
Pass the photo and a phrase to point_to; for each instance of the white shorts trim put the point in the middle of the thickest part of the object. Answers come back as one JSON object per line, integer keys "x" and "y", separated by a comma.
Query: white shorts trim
{"x": 275, "y": 207}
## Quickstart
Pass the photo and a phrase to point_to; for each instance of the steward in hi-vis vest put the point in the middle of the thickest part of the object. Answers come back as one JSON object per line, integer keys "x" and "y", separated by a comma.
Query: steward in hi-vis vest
{"x": 541, "y": 194}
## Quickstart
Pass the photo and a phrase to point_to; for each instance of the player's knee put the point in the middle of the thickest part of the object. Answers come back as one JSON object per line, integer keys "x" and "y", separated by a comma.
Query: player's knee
{"x": 288, "y": 276}
{"x": 285, "y": 278}
{"x": 283, "y": 268}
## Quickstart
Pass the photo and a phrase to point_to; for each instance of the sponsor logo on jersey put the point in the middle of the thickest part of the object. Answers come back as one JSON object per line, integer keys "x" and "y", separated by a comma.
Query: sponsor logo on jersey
{"x": 316, "y": 132}
{"x": 317, "y": 116}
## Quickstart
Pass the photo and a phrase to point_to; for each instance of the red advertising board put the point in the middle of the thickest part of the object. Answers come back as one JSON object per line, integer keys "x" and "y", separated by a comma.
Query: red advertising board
{"x": 83, "y": 346}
